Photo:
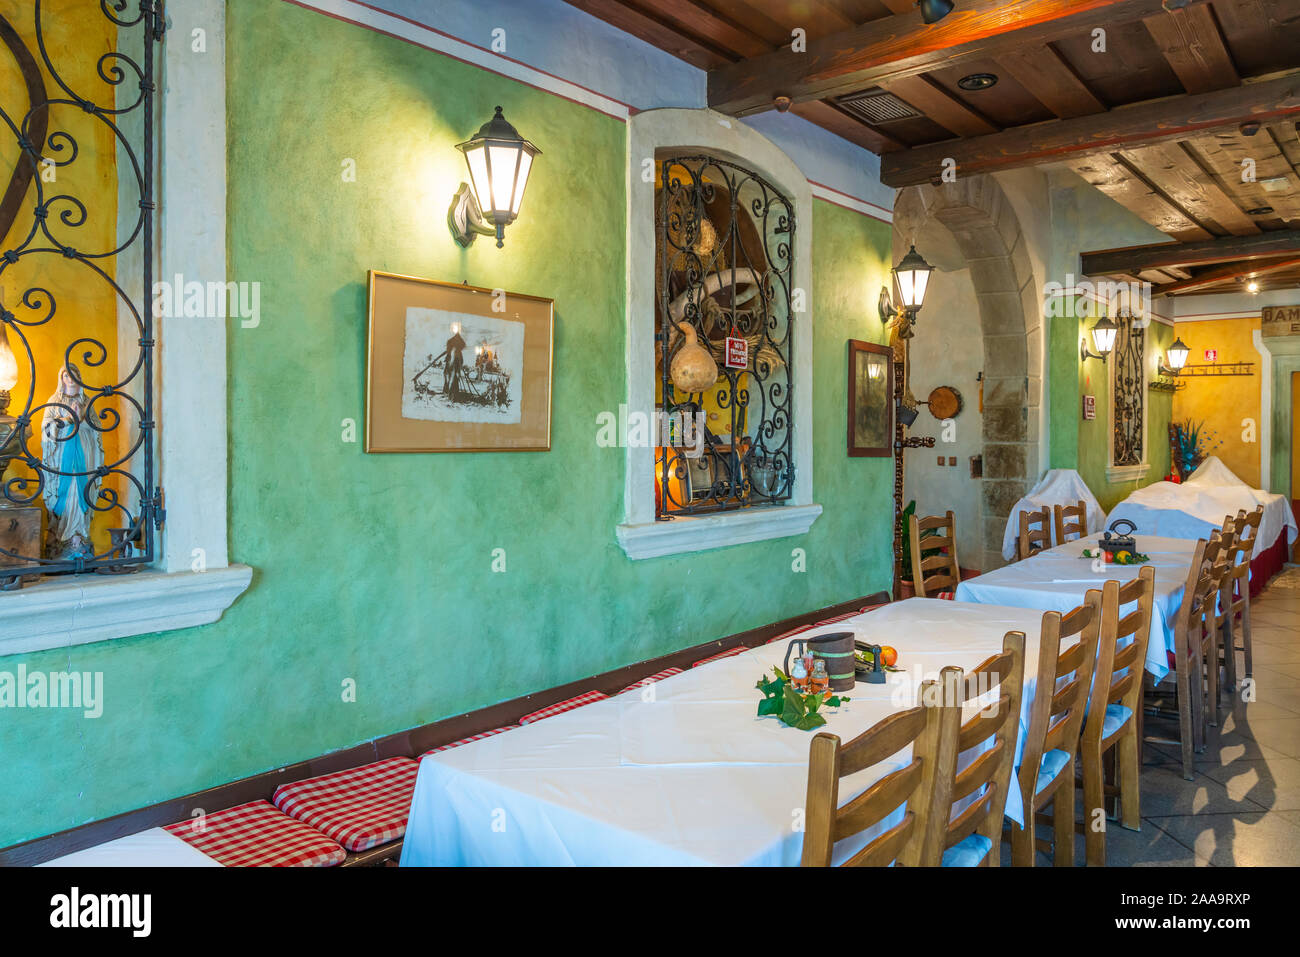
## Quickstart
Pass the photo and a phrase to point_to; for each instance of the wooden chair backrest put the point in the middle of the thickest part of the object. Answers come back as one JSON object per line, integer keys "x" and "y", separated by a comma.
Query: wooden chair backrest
{"x": 1202, "y": 581}
{"x": 991, "y": 772}
{"x": 1071, "y": 521}
{"x": 1035, "y": 532}
{"x": 1121, "y": 661}
{"x": 1056, "y": 718}
{"x": 935, "y": 573}
{"x": 931, "y": 731}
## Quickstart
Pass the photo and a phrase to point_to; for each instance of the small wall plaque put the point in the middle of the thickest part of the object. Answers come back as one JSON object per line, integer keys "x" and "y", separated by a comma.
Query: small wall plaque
{"x": 1089, "y": 407}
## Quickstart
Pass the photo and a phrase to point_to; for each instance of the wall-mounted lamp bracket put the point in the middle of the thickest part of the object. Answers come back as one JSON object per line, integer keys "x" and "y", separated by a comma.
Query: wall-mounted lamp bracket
{"x": 1085, "y": 353}
{"x": 466, "y": 219}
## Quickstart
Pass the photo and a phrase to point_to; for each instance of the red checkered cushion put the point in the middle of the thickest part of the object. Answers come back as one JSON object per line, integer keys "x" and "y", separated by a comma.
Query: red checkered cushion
{"x": 360, "y": 808}
{"x": 867, "y": 608}
{"x": 946, "y": 595}
{"x": 471, "y": 738}
{"x": 657, "y": 676}
{"x": 257, "y": 835}
{"x": 739, "y": 649}
{"x": 550, "y": 711}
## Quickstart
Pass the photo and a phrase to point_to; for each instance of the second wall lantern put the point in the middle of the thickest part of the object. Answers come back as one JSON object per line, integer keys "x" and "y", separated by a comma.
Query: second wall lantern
{"x": 499, "y": 161}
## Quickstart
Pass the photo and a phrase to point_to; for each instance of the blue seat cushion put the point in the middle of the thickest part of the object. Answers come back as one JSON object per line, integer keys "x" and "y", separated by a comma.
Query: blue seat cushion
{"x": 968, "y": 853}
{"x": 1053, "y": 761}
{"x": 1116, "y": 715}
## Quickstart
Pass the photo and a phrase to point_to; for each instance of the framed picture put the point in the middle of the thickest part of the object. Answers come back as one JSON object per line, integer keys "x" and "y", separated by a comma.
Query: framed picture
{"x": 871, "y": 394}
{"x": 456, "y": 368}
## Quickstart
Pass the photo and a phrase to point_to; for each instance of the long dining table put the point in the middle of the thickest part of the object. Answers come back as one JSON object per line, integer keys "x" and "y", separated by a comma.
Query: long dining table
{"x": 682, "y": 771}
{"x": 1058, "y": 579}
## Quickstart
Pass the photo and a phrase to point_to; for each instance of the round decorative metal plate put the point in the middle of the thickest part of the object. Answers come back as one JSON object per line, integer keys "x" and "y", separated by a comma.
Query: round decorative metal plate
{"x": 945, "y": 402}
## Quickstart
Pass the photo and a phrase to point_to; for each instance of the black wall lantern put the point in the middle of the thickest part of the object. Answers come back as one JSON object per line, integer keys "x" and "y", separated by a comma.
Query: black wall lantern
{"x": 1103, "y": 337}
{"x": 499, "y": 161}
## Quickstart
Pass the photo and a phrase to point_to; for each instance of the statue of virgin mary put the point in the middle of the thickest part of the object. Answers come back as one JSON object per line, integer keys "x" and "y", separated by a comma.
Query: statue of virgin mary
{"x": 72, "y": 451}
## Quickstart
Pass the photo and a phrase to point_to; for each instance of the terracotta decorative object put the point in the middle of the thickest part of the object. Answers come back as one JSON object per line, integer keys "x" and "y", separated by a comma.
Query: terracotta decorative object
{"x": 945, "y": 402}
{"x": 692, "y": 369}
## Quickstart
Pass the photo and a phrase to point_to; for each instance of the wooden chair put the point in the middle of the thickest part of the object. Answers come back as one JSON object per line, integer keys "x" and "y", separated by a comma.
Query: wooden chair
{"x": 936, "y": 575}
{"x": 1070, "y": 520}
{"x": 1035, "y": 532}
{"x": 974, "y": 837}
{"x": 1114, "y": 710}
{"x": 1052, "y": 739}
{"x": 1194, "y": 627}
{"x": 931, "y": 731}
{"x": 1235, "y": 601}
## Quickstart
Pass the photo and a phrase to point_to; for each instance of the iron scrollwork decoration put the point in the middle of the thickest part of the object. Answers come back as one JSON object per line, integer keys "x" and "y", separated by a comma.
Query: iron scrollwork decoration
{"x": 1129, "y": 392}
{"x": 724, "y": 261}
{"x": 90, "y": 446}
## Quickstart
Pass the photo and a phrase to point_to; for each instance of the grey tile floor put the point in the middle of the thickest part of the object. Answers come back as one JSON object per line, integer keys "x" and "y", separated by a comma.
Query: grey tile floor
{"x": 1243, "y": 808}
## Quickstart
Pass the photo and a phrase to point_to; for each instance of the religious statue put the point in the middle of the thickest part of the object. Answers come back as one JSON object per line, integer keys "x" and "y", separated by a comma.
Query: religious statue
{"x": 72, "y": 451}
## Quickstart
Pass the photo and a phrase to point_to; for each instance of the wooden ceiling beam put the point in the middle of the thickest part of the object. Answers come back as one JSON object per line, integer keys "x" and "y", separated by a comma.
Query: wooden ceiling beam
{"x": 1110, "y": 262}
{"x": 1211, "y": 277}
{"x": 939, "y": 105}
{"x": 655, "y": 32}
{"x": 830, "y": 117}
{"x": 1192, "y": 188}
{"x": 1130, "y": 189}
{"x": 1155, "y": 121}
{"x": 1051, "y": 81}
{"x": 705, "y": 23}
{"x": 1192, "y": 45}
{"x": 902, "y": 45}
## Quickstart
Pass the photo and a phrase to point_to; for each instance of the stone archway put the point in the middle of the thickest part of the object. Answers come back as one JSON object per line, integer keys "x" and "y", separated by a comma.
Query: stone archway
{"x": 978, "y": 218}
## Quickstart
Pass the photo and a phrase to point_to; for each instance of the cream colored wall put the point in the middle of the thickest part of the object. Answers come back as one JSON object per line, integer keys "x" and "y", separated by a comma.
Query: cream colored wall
{"x": 1230, "y": 406}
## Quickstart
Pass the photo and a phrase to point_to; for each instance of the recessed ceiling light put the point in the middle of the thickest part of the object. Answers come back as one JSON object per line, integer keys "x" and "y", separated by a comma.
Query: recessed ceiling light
{"x": 1252, "y": 286}
{"x": 978, "y": 81}
{"x": 1260, "y": 211}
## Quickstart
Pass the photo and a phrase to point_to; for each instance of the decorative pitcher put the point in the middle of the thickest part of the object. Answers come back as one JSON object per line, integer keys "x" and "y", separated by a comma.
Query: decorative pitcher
{"x": 837, "y": 651}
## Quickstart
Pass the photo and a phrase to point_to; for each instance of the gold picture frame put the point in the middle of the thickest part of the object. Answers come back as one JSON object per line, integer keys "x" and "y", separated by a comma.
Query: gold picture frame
{"x": 456, "y": 368}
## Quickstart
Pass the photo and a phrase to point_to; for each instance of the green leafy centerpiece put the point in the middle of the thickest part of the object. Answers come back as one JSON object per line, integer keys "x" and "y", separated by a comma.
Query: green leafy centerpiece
{"x": 794, "y": 709}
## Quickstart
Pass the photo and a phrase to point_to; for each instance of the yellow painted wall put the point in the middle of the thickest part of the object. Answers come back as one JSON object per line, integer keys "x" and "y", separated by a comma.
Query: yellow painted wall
{"x": 76, "y": 36}
{"x": 1226, "y": 404}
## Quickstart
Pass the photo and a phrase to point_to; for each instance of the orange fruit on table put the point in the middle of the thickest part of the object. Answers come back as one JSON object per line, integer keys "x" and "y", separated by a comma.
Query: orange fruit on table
{"x": 888, "y": 655}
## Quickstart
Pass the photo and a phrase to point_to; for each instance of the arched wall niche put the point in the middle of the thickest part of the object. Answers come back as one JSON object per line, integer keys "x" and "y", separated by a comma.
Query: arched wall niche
{"x": 971, "y": 224}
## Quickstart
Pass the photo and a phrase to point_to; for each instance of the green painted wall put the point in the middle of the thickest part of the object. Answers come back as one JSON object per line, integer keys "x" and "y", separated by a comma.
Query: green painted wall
{"x": 1084, "y": 219}
{"x": 377, "y": 568}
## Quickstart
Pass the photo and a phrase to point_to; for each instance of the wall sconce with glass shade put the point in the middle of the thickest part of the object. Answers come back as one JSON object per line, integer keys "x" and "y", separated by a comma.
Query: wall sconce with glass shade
{"x": 1103, "y": 339}
{"x": 912, "y": 277}
{"x": 499, "y": 161}
{"x": 1176, "y": 356}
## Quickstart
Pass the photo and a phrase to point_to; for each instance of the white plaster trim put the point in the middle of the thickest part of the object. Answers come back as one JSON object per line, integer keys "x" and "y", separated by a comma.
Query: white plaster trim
{"x": 1127, "y": 473}
{"x": 190, "y": 387}
{"x": 423, "y": 35}
{"x": 696, "y": 533}
{"x": 76, "y": 611}
{"x": 1265, "y": 409}
{"x": 839, "y": 198}
{"x": 719, "y": 135}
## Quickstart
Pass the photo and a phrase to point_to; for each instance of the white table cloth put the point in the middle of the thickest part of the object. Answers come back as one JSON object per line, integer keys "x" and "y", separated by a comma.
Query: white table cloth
{"x": 683, "y": 772}
{"x": 1058, "y": 579}
{"x": 1198, "y": 506}
{"x": 1057, "y": 487}
{"x": 152, "y": 848}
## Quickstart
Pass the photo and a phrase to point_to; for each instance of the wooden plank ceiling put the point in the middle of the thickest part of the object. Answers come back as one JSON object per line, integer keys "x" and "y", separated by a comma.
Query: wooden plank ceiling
{"x": 1187, "y": 117}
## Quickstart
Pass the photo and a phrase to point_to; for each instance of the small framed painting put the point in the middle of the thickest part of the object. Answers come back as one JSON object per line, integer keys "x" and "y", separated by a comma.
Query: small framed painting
{"x": 871, "y": 392}
{"x": 456, "y": 368}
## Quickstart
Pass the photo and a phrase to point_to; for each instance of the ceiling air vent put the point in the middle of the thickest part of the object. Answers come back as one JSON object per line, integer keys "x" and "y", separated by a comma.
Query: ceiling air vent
{"x": 876, "y": 107}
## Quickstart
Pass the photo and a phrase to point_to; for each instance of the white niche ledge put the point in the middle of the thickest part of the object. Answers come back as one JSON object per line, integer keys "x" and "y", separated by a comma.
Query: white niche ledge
{"x": 695, "y": 533}
{"x": 85, "y": 608}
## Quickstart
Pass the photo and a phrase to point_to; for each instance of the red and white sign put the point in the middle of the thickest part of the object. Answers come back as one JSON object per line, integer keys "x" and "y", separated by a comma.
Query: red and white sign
{"x": 1089, "y": 407}
{"x": 1211, "y": 355}
{"x": 737, "y": 356}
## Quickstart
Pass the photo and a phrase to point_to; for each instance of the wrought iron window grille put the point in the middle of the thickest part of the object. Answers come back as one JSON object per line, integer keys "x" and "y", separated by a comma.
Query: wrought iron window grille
{"x": 1129, "y": 392}
{"x": 724, "y": 261}
{"x": 108, "y": 393}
